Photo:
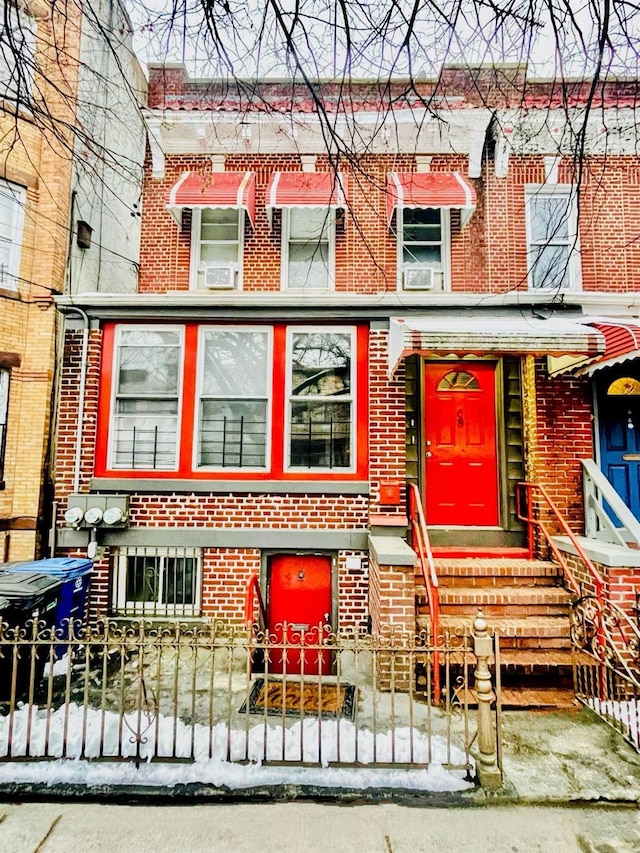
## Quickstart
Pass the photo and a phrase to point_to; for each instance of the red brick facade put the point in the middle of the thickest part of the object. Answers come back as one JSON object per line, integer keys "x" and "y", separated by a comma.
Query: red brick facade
{"x": 488, "y": 258}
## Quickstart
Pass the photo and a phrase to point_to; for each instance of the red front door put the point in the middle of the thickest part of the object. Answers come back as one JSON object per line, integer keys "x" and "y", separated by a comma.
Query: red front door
{"x": 460, "y": 432}
{"x": 300, "y": 597}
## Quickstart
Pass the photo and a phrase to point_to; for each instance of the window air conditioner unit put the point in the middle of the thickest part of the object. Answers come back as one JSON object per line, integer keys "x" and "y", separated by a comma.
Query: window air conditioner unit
{"x": 219, "y": 276}
{"x": 419, "y": 278}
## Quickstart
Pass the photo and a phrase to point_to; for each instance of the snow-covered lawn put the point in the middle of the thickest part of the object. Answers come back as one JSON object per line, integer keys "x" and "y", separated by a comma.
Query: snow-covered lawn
{"x": 309, "y": 740}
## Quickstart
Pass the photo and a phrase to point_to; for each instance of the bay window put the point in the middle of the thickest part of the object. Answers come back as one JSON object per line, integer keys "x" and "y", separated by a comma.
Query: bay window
{"x": 552, "y": 236}
{"x": 146, "y": 398}
{"x": 221, "y": 402}
{"x": 234, "y": 389}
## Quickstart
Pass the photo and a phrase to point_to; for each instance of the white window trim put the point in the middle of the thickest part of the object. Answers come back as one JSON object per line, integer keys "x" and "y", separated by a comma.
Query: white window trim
{"x": 9, "y": 280}
{"x": 353, "y": 397}
{"x": 574, "y": 264}
{"x": 202, "y": 331}
{"x": 196, "y": 218}
{"x": 284, "y": 267}
{"x": 119, "y": 598}
{"x": 111, "y": 465}
{"x": 445, "y": 230}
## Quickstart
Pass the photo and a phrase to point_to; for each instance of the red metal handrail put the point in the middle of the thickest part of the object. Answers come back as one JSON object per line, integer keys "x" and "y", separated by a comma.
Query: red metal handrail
{"x": 253, "y": 596}
{"x": 535, "y": 522}
{"x": 421, "y": 545}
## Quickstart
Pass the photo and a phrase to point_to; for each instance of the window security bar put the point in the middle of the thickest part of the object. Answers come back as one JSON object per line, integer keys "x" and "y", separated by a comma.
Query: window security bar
{"x": 321, "y": 444}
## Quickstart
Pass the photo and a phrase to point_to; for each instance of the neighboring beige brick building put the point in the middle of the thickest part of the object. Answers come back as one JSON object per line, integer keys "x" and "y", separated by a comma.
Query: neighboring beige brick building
{"x": 35, "y": 178}
{"x": 64, "y": 222}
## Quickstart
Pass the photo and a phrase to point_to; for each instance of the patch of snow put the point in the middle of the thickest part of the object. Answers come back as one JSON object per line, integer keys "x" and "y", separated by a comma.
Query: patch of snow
{"x": 215, "y": 752}
{"x": 59, "y": 667}
{"x": 625, "y": 714}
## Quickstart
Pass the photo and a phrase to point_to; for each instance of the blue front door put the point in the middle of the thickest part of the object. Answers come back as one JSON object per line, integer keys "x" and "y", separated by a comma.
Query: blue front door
{"x": 619, "y": 427}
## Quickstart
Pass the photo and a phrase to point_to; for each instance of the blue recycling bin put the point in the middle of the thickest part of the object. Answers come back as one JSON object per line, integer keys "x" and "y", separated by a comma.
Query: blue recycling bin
{"x": 73, "y": 576}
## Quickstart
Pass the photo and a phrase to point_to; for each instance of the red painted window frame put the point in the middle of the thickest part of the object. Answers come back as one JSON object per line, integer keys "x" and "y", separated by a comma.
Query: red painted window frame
{"x": 187, "y": 423}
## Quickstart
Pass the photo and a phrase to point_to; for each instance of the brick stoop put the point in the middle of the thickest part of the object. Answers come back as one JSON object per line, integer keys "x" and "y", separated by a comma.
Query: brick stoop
{"x": 524, "y": 602}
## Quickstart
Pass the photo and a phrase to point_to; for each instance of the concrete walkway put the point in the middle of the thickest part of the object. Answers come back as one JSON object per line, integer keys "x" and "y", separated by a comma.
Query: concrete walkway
{"x": 567, "y": 757}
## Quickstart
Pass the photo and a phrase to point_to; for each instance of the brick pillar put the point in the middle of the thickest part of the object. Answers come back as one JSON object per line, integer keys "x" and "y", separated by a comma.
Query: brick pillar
{"x": 392, "y": 607}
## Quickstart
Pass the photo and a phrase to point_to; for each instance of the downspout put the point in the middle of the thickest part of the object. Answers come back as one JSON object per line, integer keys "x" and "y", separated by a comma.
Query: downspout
{"x": 66, "y": 309}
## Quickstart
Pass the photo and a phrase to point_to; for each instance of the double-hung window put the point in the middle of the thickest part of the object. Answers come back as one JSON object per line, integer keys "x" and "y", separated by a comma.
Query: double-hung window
{"x": 235, "y": 377}
{"x": 308, "y": 237}
{"x": 146, "y": 398}
{"x": 17, "y": 39}
{"x": 553, "y": 256}
{"x": 320, "y": 399}
{"x": 157, "y": 581}
{"x": 423, "y": 247}
{"x": 12, "y": 202}
{"x": 217, "y": 248}
{"x": 4, "y": 413}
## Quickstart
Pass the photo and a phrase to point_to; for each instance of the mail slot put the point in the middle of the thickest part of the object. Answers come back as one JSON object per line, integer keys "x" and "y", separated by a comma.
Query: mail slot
{"x": 631, "y": 457}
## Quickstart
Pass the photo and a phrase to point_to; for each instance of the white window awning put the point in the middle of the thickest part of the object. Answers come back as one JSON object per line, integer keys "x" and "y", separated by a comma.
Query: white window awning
{"x": 440, "y": 335}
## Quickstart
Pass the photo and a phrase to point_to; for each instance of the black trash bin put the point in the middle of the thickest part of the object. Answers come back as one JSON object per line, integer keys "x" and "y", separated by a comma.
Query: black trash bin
{"x": 29, "y": 596}
{"x": 73, "y": 575}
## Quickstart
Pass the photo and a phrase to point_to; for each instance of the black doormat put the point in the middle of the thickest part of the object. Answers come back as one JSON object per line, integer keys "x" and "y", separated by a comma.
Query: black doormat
{"x": 295, "y": 699}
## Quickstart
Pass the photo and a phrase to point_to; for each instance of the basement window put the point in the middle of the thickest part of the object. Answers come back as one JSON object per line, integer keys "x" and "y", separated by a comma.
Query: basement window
{"x": 151, "y": 581}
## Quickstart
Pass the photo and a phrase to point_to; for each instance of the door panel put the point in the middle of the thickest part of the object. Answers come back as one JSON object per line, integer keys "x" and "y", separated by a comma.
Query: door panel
{"x": 461, "y": 446}
{"x": 300, "y": 596}
{"x": 619, "y": 429}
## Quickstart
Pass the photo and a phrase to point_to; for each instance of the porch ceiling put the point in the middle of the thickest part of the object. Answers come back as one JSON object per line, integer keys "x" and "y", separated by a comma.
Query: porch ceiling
{"x": 481, "y": 335}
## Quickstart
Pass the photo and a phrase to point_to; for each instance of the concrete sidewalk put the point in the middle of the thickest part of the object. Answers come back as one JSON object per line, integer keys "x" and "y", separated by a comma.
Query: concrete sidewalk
{"x": 314, "y": 828}
{"x": 571, "y": 784}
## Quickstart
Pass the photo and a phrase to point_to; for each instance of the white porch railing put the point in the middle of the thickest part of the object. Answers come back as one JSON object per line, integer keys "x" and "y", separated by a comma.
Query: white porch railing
{"x": 598, "y": 521}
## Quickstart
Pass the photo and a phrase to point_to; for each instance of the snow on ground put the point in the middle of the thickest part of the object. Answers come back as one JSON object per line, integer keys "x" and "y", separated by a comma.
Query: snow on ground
{"x": 308, "y": 740}
{"x": 624, "y": 715}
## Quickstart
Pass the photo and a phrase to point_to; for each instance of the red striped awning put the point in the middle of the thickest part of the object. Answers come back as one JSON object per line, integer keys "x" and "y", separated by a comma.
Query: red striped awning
{"x": 480, "y": 334}
{"x": 430, "y": 189}
{"x": 622, "y": 343}
{"x": 236, "y": 190}
{"x": 305, "y": 189}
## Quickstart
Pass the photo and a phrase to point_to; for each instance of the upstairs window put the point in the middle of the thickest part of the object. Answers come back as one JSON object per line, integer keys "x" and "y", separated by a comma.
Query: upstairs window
{"x": 320, "y": 399}
{"x": 146, "y": 400}
{"x": 234, "y": 389}
{"x": 17, "y": 47}
{"x": 12, "y": 202}
{"x": 217, "y": 248}
{"x": 308, "y": 236}
{"x": 552, "y": 233}
{"x": 423, "y": 248}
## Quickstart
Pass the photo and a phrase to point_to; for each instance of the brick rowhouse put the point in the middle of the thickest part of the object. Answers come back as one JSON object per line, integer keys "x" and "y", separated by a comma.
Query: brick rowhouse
{"x": 460, "y": 238}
